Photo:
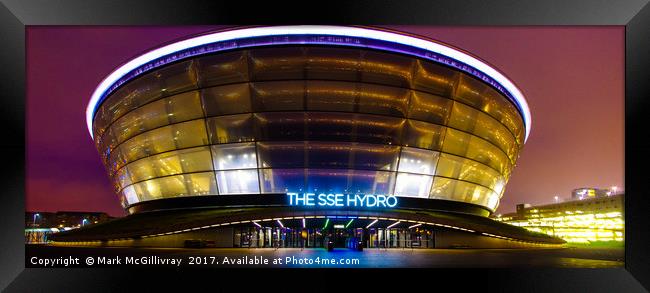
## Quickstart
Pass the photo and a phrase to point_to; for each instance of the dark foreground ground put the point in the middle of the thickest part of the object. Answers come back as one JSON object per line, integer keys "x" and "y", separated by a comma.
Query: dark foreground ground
{"x": 42, "y": 256}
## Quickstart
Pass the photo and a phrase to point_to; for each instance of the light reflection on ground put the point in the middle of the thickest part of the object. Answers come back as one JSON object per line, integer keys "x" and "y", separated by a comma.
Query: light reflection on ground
{"x": 372, "y": 257}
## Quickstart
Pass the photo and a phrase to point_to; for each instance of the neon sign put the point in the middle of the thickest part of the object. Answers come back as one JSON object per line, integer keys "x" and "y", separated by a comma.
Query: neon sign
{"x": 342, "y": 200}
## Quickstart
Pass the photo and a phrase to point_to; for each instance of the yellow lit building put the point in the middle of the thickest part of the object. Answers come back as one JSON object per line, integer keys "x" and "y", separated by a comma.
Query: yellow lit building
{"x": 594, "y": 219}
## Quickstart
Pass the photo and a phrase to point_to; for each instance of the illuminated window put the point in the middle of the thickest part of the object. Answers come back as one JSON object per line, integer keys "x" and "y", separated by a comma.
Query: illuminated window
{"x": 171, "y": 163}
{"x": 137, "y": 92}
{"x": 281, "y": 125}
{"x": 430, "y": 108}
{"x": 277, "y": 63}
{"x": 177, "y": 77}
{"x": 282, "y": 180}
{"x": 423, "y": 135}
{"x": 174, "y": 186}
{"x": 234, "y": 156}
{"x": 179, "y": 108}
{"x": 182, "y": 135}
{"x": 412, "y": 185}
{"x": 383, "y": 100}
{"x": 223, "y": 68}
{"x": 457, "y": 167}
{"x": 473, "y": 147}
{"x": 201, "y": 183}
{"x": 445, "y": 188}
{"x": 434, "y": 78}
{"x": 278, "y": 95}
{"x": 352, "y": 155}
{"x": 331, "y": 95}
{"x": 470, "y": 91}
{"x": 505, "y": 112}
{"x": 227, "y": 99}
{"x": 418, "y": 161}
{"x": 232, "y": 128}
{"x": 332, "y": 63}
{"x": 463, "y": 117}
{"x": 495, "y": 132}
{"x": 144, "y": 89}
{"x": 122, "y": 178}
{"x": 238, "y": 182}
{"x": 130, "y": 195}
{"x": 349, "y": 181}
{"x": 493, "y": 202}
{"x": 386, "y": 68}
{"x": 274, "y": 154}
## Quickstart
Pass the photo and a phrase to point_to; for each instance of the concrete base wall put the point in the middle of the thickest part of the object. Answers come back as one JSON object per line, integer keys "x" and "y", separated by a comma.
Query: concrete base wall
{"x": 222, "y": 237}
{"x": 456, "y": 239}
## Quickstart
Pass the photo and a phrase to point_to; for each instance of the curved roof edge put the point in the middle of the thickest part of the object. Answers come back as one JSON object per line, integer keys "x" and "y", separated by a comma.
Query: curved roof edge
{"x": 308, "y": 34}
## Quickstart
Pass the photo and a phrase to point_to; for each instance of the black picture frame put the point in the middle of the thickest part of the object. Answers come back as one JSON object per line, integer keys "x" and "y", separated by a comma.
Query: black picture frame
{"x": 634, "y": 15}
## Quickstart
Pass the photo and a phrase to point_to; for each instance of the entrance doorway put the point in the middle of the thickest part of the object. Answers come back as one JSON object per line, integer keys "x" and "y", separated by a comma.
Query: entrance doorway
{"x": 339, "y": 236}
{"x": 344, "y": 233}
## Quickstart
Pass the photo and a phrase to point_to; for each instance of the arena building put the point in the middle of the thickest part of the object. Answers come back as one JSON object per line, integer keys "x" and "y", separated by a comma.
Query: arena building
{"x": 304, "y": 135}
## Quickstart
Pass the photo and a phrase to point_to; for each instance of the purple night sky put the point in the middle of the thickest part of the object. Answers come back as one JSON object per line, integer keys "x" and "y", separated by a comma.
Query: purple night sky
{"x": 572, "y": 77}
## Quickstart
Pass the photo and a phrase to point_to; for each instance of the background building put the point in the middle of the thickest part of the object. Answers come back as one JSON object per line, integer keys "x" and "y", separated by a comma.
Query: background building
{"x": 582, "y": 193}
{"x": 589, "y": 220}
{"x": 245, "y": 118}
{"x": 40, "y": 225}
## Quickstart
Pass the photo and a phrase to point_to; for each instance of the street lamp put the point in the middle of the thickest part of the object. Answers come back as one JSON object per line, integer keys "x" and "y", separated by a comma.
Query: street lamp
{"x": 83, "y": 223}
{"x": 614, "y": 189}
{"x": 557, "y": 199}
{"x": 35, "y": 215}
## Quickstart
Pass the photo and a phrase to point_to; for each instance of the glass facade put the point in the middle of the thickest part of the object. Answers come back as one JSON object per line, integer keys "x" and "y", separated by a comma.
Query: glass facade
{"x": 308, "y": 119}
{"x": 253, "y": 237}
